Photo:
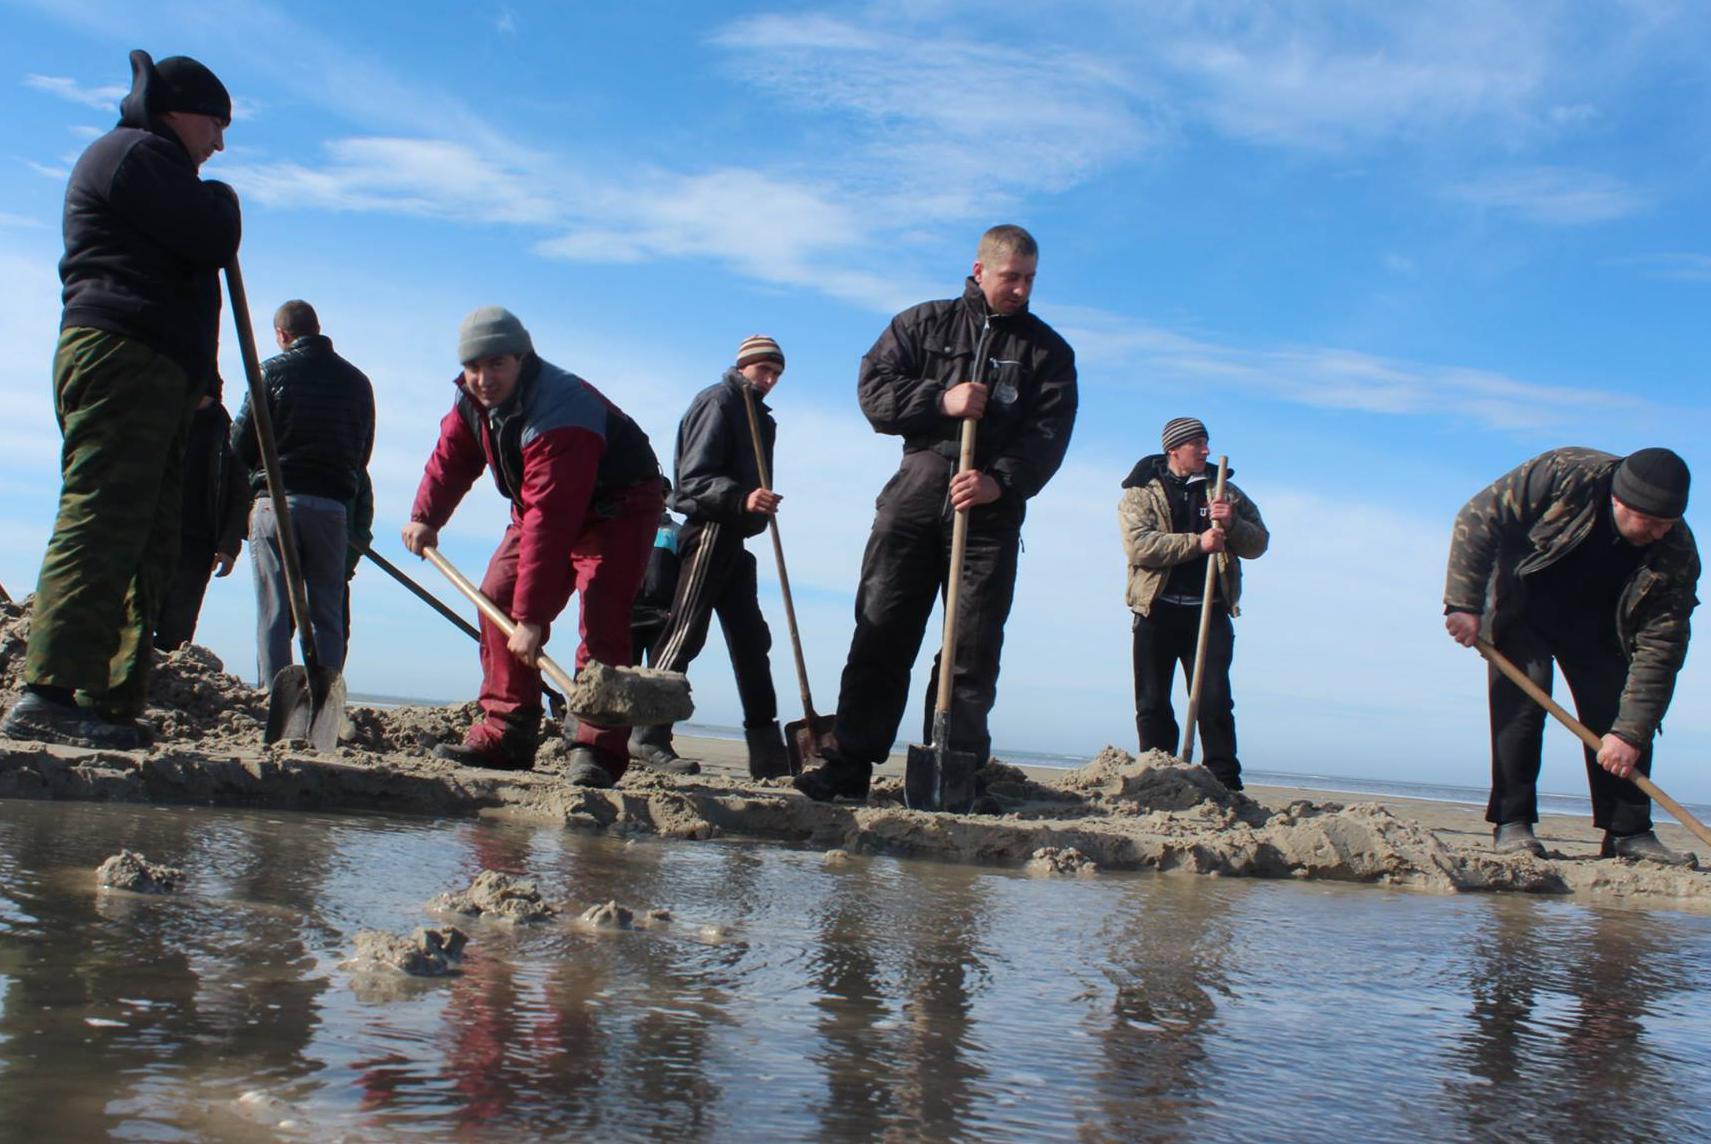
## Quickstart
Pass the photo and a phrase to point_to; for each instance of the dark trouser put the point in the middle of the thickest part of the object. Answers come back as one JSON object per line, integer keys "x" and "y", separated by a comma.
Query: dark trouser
{"x": 1596, "y": 672}
{"x": 717, "y": 575}
{"x": 643, "y": 637}
{"x": 176, "y": 625}
{"x": 125, "y": 414}
{"x": 318, "y": 524}
{"x": 903, "y": 570}
{"x": 607, "y": 562}
{"x": 1164, "y": 639}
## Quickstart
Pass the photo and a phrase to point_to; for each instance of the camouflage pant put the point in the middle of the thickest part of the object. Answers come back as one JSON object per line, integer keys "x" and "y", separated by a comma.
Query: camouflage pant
{"x": 125, "y": 412}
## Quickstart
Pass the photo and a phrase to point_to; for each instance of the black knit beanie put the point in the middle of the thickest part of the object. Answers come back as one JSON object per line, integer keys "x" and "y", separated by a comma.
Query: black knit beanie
{"x": 1653, "y": 481}
{"x": 183, "y": 84}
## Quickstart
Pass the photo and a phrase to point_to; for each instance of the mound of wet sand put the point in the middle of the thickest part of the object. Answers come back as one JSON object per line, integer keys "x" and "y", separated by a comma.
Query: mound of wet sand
{"x": 425, "y": 953}
{"x": 1060, "y": 862}
{"x": 497, "y": 895}
{"x": 1118, "y": 812}
{"x": 129, "y": 870}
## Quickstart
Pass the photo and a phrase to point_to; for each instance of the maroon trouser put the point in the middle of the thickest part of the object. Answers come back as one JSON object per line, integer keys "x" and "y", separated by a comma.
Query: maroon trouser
{"x": 608, "y": 560}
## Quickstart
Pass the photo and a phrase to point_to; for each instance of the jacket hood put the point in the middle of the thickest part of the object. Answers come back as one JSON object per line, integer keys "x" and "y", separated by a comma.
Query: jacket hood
{"x": 1158, "y": 465}
{"x": 134, "y": 108}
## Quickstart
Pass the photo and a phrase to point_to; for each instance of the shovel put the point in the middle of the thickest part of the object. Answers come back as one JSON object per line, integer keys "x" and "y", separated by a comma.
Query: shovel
{"x": 802, "y": 738}
{"x": 434, "y": 602}
{"x": 1205, "y": 633}
{"x": 304, "y": 701}
{"x": 936, "y": 777}
{"x": 1537, "y": 694}
{"x": 602, "y": 695}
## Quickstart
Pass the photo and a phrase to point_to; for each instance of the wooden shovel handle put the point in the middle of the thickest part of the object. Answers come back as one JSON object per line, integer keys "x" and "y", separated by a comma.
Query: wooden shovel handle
{"x": 1205, "y": 634}
{"x": 491, "y": 610}
{"x": 1538, "y": 695}
{"x": 778, "y": 555}
{"x": 953, "y": 580}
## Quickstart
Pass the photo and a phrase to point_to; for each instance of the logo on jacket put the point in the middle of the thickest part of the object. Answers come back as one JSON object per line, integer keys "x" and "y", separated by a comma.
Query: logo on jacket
{"x": 1004, "y": 390}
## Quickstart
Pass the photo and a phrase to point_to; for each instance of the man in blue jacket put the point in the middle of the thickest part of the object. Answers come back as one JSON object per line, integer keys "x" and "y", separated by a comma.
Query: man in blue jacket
{"x": 145, "y": 238}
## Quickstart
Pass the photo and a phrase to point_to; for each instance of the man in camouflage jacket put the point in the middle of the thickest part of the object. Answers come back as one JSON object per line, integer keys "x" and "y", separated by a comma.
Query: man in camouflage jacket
{"x": 1166, "y": 516}
{"x": 1581, "y": 557}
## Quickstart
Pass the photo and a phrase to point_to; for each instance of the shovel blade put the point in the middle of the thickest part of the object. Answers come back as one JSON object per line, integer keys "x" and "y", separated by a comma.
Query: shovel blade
{"x": 290, "y": 706}
{"x": 805, "y": 739}
{"x": 326, "y": 707}
{"x": 938, "y": 778}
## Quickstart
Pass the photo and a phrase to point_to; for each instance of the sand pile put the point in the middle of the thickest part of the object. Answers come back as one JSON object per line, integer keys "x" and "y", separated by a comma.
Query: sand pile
{"x": 425, "y": 953}
{"x": 128, "y": 870}
{"x": 499, "y": 896}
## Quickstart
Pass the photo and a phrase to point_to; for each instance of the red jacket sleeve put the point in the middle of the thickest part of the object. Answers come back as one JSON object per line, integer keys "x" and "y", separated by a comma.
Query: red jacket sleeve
{"x": 559, "y": 468}
{"x": 455, "y": 463}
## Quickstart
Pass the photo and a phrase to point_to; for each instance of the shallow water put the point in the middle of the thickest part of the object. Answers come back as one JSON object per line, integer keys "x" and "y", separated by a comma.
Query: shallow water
{"x": 889, "y": 999}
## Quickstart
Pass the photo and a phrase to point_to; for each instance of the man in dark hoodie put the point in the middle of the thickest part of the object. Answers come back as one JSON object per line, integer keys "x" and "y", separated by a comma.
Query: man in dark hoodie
{"x": 145, "y": 238}
{"x": 981, "y": 357}
{"x": 719, "y": 491}
{"x": 1167, "y": 520}
{"x": 322, "y": 410}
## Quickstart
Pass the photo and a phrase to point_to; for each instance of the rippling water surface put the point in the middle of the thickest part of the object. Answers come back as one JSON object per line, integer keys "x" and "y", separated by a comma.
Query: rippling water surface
{"x": 881, "y": 999}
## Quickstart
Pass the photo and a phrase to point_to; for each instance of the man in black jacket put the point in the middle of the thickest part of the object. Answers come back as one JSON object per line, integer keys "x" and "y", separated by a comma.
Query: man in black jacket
{"x": 719, "y": 490}
{"x": 323, "y": 424}
{"x": 981, "y": 357}
{"x": 145, "y": 238}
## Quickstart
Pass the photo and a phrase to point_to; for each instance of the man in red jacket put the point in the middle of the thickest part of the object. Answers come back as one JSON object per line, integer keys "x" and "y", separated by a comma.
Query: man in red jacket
{"x": 586, "y": 494}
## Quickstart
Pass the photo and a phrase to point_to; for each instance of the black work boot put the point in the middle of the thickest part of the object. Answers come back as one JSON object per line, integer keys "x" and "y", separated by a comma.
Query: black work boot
{"x": 585, "y": 769}
{"x": 491, "y": 758}
{"x": 767, "y": 757}
{"x": 36, "y": 716}
{"x": 1645, "y": 845}
{"x": 653, "y": 749}
{"x": 1516, "y": 838}
{"x": 835, "y": 778}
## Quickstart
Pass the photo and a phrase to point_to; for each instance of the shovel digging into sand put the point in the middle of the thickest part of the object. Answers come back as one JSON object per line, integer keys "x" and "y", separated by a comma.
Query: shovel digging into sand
{"x": 307, "y": 700}
{"x": 936, "y": 777}
{"x": 1205, "y": 633}
{"x": 803, "y": 738}
{"x": 1584, "y": 733}
{"x": 600, "y": 694}
{"x": 554, "y": 699}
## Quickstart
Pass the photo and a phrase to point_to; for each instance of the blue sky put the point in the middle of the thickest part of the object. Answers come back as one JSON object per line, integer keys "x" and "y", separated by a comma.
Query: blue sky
{"x": 1385, "y": 251}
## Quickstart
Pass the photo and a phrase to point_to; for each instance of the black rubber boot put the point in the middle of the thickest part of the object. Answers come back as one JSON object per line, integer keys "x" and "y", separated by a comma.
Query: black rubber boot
{"x": 652, "y": 747}
{"x": 1516, "y": 838}
{"x": 834, "y": 779}
{"x": 37, "y": 717}
{"x": 465, "y": 755}
{"x": 767, "y": 757}
{"x": 585, "y": 770}
{"x": 1644, "y": 845}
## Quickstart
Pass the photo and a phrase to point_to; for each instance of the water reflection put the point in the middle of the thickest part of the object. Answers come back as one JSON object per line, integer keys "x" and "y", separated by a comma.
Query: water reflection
{"x": 880, "y": 999}
{"x": 1561, "y": 1001}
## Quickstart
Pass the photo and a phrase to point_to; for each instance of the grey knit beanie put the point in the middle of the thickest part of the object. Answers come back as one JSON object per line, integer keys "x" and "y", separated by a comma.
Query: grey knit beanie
{"x": 1653, "y": 481}
{"x": 489, "y": 332}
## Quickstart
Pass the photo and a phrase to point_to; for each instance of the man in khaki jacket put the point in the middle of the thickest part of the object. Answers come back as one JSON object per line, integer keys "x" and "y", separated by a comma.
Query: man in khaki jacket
{"x": 1167, "y": 517}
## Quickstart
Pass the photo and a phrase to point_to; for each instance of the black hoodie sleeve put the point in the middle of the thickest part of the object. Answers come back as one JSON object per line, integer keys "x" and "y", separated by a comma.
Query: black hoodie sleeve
{"x": 158, "y": 193}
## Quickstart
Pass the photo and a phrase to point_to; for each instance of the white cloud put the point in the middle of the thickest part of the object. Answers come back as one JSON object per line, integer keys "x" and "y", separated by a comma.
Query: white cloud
{"x": 104, "y": 97}
{"x": 1676, "y": 266}
{"x": 20, "y": 222}
{"x": 1553, "y": 196}
{"x": 1332, "y": 378}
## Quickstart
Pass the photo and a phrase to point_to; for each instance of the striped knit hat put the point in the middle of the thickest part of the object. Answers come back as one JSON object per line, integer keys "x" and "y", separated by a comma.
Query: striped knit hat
{"x": 1179, "y": 430}
{"x": 759, "y": 347}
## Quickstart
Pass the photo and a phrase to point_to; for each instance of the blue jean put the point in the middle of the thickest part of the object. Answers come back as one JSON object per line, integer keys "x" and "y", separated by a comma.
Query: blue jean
{"x": 319, "y": 525}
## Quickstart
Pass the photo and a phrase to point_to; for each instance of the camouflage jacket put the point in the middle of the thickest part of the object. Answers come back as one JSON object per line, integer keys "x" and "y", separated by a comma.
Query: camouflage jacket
{"x": 1143, "y": 517}
{"x": 1533, "y": 515}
